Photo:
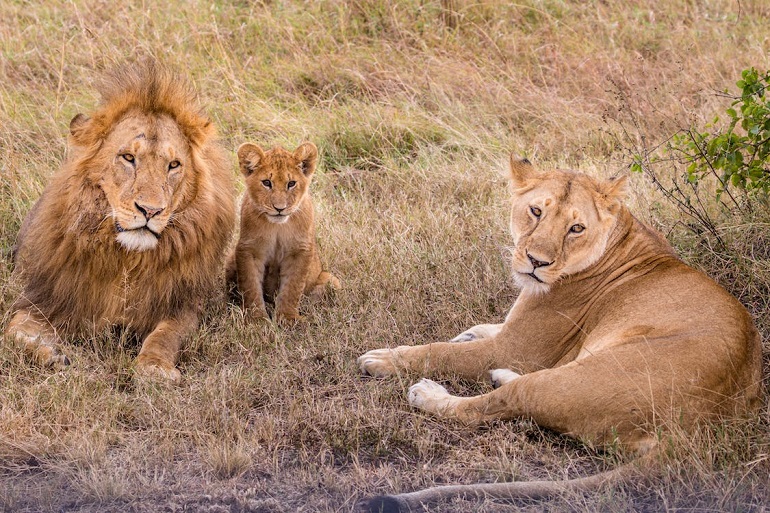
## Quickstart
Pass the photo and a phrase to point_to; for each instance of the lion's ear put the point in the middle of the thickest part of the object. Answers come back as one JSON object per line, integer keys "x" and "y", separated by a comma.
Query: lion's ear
{"x": 79, "y": 128}
{"x": 615, "y": 191}
{"x": 521, "y": 170}
{"x": 249, "y": 157}
{"x": 307, "y": 153}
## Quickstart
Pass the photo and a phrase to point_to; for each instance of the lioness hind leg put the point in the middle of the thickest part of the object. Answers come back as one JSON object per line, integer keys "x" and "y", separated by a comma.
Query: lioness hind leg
{"x": 38, "y": 338}
{"x": 478, "y": 331}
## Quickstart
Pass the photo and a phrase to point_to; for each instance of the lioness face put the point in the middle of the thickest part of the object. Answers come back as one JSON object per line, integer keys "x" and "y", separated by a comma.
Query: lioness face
{"x": 146, "y": 159}
{"x": 560, "y": 223}
{"x": 277, "y": 180}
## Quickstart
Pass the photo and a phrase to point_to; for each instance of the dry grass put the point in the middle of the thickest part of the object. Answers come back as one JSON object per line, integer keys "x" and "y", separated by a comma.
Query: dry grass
{"x": 414, "y": 109}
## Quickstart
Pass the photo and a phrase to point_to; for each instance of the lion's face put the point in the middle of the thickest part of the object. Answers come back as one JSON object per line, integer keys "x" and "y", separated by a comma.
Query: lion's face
{"x": 560, "y": 223}
{"x": 277, "y": 180}
{"x": 146, "y": 159}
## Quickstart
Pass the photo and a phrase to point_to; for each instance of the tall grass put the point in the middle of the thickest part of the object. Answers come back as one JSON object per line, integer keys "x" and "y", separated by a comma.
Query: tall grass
{"x": 415, "y": 106}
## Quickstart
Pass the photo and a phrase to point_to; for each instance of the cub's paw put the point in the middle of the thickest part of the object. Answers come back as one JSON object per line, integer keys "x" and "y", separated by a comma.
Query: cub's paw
{"x": 288, "y": 317}
{"x": 148, "y": 368}
{"x": 430, "y": 396}
{"x": 380, "y": 363}
{"x": 500, "y": 377}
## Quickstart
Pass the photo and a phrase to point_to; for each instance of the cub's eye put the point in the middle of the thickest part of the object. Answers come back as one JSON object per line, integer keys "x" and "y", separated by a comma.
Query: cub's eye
{"x": 291, "y": 184}
{"x": 267, "y": 183}
{"x": 174, "y": 164}
{"x": 536, "y": 211}
{"x": 128, "y": 157}
{"x": 577, "y": 228}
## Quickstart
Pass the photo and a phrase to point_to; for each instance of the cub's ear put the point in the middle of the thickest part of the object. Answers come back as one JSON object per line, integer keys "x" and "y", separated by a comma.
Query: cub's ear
{"x": 249, "y": 157}
{"x": 521, "y": 170}
{"x": 78, "y": 129}
{"x": 615, "y": 191}
{"x": 308, "y": 154}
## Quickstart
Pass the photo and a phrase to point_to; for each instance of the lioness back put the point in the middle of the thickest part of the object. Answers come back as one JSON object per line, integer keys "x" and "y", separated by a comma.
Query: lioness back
{"x": 612, "y": 338}
{"x": 277, "y": 256}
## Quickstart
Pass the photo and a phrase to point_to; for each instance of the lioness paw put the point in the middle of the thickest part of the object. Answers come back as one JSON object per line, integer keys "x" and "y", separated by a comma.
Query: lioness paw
{"x": 500, "y": 377}
{"x": 154, "y": 369}
{"x": 379, "y": 363}
{"x": 430, "y": 396}
{"x": 465, "y": 336}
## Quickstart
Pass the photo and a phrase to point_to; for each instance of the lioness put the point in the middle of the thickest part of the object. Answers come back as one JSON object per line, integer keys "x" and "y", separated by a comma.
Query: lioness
{"x": 132, "y": 229}
{"x": 276, "y": 255}
{"x": 611, "y": 337}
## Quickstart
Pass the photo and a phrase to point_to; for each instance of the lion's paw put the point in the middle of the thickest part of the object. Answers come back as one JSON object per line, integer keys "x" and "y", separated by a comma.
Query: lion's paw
{"x": 154, "y": 369}
{"x": 500, "y": 377}
{"x": 430, "y": 396}
{"x": 49, "y": 356}
{"x": 379, "y": 363}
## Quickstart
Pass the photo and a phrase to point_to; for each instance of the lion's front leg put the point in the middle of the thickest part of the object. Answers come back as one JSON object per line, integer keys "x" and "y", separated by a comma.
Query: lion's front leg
{"x": 157, "y": 358}
{"x": 38, "y": 338}
{"x": 469, "y": 360}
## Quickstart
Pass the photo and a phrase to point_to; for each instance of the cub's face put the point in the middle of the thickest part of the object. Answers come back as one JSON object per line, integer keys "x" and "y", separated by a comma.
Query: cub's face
{"x": 560, "y": 221}
{"x": 277, "y": 180}
{"x": 146, "y": 163}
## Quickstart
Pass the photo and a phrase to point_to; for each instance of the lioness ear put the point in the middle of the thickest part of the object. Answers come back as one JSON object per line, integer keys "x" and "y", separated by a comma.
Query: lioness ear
{"x": 615, "y": 190}
{"x": 308, "y": 154}
{"x": 521, "y": 169}
{"x": 249, "y": 157}
{"x": 78, "y": 128}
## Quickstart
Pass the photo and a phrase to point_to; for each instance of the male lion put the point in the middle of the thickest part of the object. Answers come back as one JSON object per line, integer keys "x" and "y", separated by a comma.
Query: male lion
{"x": 610, "y": 338}
{"x": 276, "y": 255}
{"x": 132, "y": 229}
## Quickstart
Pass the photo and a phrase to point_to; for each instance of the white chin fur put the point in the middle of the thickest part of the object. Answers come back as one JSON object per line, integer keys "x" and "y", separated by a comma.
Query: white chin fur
{"x": 278, "y": 219}
{"x": 137, "y": 240}
{"x": 525, "y": 281}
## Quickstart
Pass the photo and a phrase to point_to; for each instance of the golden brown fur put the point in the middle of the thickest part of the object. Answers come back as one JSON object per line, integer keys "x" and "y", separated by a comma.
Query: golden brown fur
{"x": 132, "y": 229}
{"x": 276, "y": 255}
{"x": 611, "y": 337}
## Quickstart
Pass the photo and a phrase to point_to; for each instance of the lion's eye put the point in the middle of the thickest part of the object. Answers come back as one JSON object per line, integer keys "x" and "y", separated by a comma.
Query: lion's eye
{"x": 577, "y": 228}
{"x": 128, "y": 157}
{"x": 174, "y": 164}
{"x": 267, "y": 183}
{"x": 291, "y": 184}
{"x": 536, "y": 211}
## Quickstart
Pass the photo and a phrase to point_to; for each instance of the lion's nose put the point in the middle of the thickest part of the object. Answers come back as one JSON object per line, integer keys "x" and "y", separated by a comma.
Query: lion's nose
{"x": 147, "y": 211}
{"x": 537, "y": 263}
{"x": 279, "y": 209}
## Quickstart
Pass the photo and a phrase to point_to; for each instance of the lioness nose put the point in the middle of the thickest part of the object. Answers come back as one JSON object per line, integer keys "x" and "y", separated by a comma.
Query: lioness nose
{"x": 537, "y": 263}
{"x": 279, "y": 209}
{"x": 147, "y": 211}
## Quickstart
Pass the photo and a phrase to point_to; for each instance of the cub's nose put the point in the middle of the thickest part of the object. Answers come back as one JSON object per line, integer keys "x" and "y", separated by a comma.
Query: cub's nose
{"x": 148, "y": 211}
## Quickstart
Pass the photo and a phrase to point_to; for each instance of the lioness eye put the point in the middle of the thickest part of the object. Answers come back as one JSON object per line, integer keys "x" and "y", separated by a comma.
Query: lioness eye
{"x": 128, "y": 157}
{"x": 291, "y": 184}
{"x": 267, "y": 183}
{"x": 174, "y": 164}
{"x": 535, "y": 211}
{"x": 577, "y": 228}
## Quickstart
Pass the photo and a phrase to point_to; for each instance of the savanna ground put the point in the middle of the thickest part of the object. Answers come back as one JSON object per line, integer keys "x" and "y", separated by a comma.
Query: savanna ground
{"x": 415, "y": 106}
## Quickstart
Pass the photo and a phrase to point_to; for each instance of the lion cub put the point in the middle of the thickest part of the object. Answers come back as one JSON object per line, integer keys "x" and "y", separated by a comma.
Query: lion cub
{"x": 276, "y": 256}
